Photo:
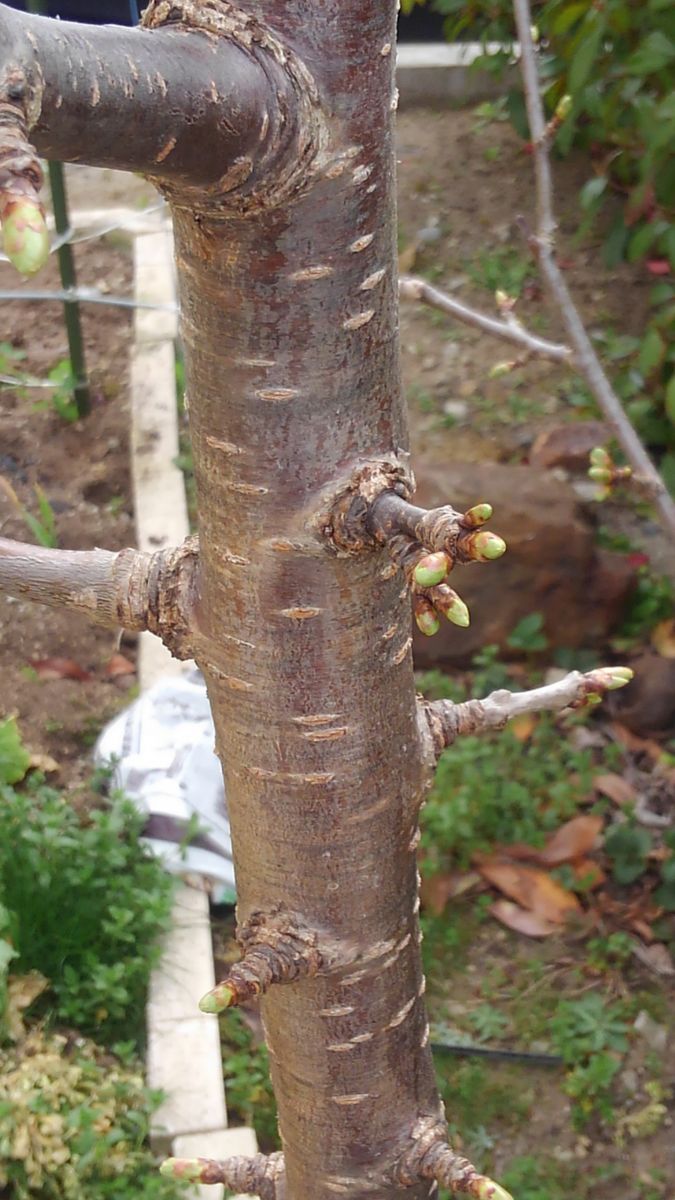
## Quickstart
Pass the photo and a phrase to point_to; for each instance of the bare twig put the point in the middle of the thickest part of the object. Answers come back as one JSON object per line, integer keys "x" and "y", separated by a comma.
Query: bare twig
{"x": 586, "y": 360}
{"x": 411, "y": 288}
{"x": 448, "y": 721}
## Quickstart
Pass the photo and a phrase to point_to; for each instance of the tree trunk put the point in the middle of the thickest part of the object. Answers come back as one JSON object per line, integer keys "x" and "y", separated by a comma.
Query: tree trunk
{"x": 274, "y": 144}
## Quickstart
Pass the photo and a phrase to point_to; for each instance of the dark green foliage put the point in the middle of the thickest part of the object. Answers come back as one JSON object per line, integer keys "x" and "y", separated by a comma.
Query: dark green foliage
{"x": 86, "y": 905}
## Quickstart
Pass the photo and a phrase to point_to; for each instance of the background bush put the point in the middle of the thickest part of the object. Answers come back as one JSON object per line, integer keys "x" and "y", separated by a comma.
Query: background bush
{"x": 83, "y": 901}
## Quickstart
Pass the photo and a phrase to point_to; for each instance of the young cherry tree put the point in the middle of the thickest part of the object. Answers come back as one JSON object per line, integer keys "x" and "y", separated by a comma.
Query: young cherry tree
{"x": 269, "y": 129}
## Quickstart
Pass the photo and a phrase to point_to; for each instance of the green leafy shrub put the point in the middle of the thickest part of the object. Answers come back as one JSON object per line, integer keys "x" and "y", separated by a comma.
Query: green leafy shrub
{"x": 86, "y": 904}
{"x": 74, "y": 1124}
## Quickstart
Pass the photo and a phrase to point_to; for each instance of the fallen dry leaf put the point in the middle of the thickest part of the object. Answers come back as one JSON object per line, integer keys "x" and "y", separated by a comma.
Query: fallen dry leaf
{"x": 590, "y": 873}
{"x": 615, "y": 788}
{"x": 571, "y": 841}
{"x": 44, "y": 763}
{"x": 643, "y": 929}
{"x": 523, "y": 727}
{"x": 59, "y": 668}
{"x": 663, "y": 638}
{"x": 436, "y": 890}
{"x": 532, "y": 888}
{"x": 119, "y": 665}
{"x": 522, "y": 921}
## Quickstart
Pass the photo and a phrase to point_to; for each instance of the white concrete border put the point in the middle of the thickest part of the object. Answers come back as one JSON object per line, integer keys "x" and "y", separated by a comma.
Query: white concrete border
{"x": 442, "y": 74}
{"x": 183, "y": 1056}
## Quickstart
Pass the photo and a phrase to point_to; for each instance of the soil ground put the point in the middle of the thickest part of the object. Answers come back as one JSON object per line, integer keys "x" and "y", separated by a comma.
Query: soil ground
{"x": 463, "y": 181}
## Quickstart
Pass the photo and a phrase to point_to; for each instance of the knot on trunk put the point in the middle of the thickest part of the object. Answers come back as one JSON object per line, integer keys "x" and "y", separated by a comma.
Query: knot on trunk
{"x": 275, "y": 950}
{"x": 160, "y": 594}
{"x": 25, "y": 237}
{"x": 293, "y": 133}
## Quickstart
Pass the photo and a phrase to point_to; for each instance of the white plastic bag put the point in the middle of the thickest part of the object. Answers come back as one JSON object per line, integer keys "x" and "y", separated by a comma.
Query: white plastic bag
{"x": 164, "y": 761}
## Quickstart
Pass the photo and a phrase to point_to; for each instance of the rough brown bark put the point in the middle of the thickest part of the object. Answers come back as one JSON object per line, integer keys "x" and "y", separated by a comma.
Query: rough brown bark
{"x": 289, "y": 322}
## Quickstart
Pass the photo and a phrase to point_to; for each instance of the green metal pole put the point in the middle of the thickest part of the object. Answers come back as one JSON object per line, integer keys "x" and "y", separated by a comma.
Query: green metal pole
{"x": 71, "y": 308}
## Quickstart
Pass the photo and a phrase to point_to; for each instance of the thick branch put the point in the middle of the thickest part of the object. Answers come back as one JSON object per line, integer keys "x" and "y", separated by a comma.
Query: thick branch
{"x": 446, "y": 720}
{"x": 187, "y": 107}
{"x": 410, "y": 288}
{"x": 127, "y": 590}
{"x": 586, "y": 360}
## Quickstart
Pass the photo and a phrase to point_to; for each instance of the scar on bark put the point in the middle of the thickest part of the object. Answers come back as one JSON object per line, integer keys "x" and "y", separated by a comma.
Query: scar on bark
{"x": 373, "y": 509}
{"x": 276, "y": 949}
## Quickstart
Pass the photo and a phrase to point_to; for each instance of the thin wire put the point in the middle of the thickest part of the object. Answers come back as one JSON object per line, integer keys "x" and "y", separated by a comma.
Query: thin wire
{"x": 86, "y": 296}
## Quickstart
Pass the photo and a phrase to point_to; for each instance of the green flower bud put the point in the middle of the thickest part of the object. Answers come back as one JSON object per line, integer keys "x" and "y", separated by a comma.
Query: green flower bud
{"x": 431, "y": 569}
{"x": 487, "y": 546}
{"x": 478, "y": 515}
{"x": 599, "y": 457}
{"x": 218, "y": 1000}
{"x": 25, "y": 237}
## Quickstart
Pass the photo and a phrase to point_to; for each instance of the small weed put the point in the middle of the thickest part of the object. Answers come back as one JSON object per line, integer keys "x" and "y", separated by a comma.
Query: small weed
{"x": 62, "y": 398}
{"x": 609, "y": 953}
{"x": 488, "y": 1023}
{"x": 528, "y": 635}
{"x": 627, "y": 847}
{"x": 653, "y": 600}
{"x": 42, "y": 527}
{"x": 591, "y": 1035}
{"x": 502, "y": 268}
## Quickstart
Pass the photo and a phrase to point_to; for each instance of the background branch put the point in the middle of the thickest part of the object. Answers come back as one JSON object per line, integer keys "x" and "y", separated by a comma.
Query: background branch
{"x": 411, "y": 288}
{"x": 586, "y": 360}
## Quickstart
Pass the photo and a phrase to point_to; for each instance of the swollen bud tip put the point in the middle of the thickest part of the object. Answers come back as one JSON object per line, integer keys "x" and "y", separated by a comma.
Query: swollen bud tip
{"x": 458, "y": 613}
{"x": 563, "y": 107}
{"x": 600, "y": 474}
{"x": 181, "y": 1168}
{"x": 478, "y": 515}
{"x": 618, "y": 677}
{"x": 599, "y": 457}
{"x": 487, "y": 1189}
{"x": 488, "y": 546}
{"x": 431, "y": 569}
{"x": 25, "y": 236}
{"x": 427, "y": 622}
{"x": 217, "y": 1001}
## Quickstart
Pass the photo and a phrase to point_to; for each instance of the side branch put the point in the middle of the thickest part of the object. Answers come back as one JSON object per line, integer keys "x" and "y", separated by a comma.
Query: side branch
{"x": 260, "y": 1175}
{"x": 586, "y": 360}
{"x": 445, "y": 721}
{"x": 205, "y": 111}
{"x": 411, "y": 288}
{"x": 430, "y": 1157}
{"x": 127, "y": 590}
